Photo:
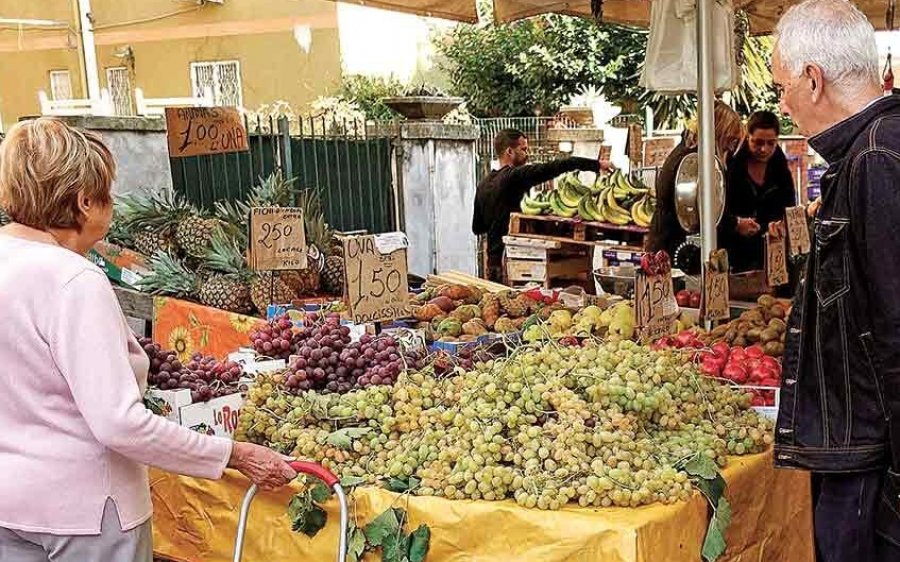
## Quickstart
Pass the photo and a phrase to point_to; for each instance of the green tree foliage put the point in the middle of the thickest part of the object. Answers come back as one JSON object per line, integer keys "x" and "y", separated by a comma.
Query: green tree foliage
{"x": 369, "y": 92}
{"x": 534, "y": 66}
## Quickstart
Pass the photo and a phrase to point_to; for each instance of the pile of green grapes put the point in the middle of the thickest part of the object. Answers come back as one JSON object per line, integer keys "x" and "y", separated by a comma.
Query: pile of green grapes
{"x": 599, "y": 424}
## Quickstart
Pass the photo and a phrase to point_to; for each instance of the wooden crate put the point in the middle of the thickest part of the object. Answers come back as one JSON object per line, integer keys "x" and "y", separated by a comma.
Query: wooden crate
{"x": 572, "y": 231}
{"x": 577, "y": 269}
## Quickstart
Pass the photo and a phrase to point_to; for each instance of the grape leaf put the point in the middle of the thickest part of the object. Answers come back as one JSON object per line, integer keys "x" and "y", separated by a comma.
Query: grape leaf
{"x": 420, "y": 540}
{"x": 702, "y": 467}
{"x": 399, "y": 485}
{"x": 386, "y": 524}
{"x": 395, "y": 548}
{"x": 714, "y": 544}
{"x": 723, "y": 514}
{"x": 713, "y": 489}
{"x": 352, "y": 481}
{"x": 343, "y": 438}
{"x": 320, "y": 492}
{"x": 356, "y": 546}
{"x": 306, "y": 517}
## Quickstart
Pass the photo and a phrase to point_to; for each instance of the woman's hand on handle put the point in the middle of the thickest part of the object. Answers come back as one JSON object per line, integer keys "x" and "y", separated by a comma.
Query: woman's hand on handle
{"x": 261, "y": 465}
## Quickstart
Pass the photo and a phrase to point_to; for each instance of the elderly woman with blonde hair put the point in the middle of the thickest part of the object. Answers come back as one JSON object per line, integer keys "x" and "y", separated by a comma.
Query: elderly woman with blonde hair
{"x": 76, "y": 436}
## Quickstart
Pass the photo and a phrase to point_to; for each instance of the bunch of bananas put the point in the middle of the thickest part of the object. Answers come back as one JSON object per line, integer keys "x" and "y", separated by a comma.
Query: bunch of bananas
{"x": 614, "y": 199}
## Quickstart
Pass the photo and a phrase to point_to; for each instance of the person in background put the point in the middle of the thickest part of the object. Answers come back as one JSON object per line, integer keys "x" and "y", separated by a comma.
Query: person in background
{"x": 839, "y": 414}
{"x": 665, "y": 231}
{"x": 500, "y": 193}
{"x": 758, "y": 190}
{"x": 76, "y": 437}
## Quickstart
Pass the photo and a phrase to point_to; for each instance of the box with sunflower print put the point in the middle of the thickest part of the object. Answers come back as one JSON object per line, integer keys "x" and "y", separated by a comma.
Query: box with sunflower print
{"x": 189, "y": 328}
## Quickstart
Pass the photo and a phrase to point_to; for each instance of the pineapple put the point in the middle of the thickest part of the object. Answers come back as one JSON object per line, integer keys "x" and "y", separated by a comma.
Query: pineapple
{"x": 228, "y": 286}
{"x": 194, "y": 235}
{"x": 150, "y": 220}
{"x": 333, "y": 274}
{"x": 169, "y": 276}
{"x": 264, "y": 291}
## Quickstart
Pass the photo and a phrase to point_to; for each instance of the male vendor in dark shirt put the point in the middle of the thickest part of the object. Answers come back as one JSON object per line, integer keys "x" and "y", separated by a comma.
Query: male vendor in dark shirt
{"x": 500, "y": 193}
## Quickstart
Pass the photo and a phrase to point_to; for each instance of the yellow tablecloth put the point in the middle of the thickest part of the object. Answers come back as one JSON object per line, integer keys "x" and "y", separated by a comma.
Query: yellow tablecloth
{"x": 195, "y": 520}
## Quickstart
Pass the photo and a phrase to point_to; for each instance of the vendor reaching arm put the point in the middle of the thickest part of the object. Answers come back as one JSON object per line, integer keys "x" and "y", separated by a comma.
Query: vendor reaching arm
{"x": 500, "y": 193}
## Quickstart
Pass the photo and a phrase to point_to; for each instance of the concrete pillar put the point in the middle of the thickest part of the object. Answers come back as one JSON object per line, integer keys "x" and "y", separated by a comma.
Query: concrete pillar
{"x": 436, "y": 181}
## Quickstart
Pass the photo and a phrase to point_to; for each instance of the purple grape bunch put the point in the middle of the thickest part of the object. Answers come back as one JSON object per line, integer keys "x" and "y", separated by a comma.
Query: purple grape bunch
{"x": 203, "y": 375}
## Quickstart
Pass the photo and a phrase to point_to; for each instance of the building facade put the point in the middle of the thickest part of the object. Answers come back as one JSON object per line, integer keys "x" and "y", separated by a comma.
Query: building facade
{"x": 242, "y": 52}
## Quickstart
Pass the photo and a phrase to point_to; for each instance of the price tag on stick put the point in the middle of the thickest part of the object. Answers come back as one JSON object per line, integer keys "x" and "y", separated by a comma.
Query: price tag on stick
{"x": 797, "y": 231}
{"x": 375, "y": 278}
{"x": 714, "y": 302}
{"x": 277, "y": 239}
{"x": 776, "y": 260}
{"x": 194, "y": 131}
{"x": 655, "y": 306}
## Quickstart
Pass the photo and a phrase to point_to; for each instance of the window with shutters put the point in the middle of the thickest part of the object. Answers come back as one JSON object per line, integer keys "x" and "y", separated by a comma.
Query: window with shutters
{"x": 60, "y": 85}
{"x": 118, "y": 80}
{"x": 222, "y": 77}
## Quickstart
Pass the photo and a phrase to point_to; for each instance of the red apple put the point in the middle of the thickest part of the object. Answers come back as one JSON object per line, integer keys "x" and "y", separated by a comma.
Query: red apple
{"x": 755, "y": 352}
{"x": 683, "y": 298}
{"x": 695, "y": 300}
{"x": 735, "y": 373}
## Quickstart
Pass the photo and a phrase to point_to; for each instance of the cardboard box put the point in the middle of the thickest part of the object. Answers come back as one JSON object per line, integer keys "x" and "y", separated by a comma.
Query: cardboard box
{"x": 217, "y": 417}
{"x": 120, "y": 264}
{"x": 168, "y": 403}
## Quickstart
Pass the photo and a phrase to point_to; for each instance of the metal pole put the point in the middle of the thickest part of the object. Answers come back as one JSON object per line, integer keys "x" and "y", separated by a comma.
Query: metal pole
{"x": 89, "y": 50}
{"x": 707, "y": 130}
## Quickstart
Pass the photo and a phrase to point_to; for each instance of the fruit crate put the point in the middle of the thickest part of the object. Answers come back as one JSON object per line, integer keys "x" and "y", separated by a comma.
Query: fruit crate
{"x": 770, "y": 409}
{"x": 548, "y": 272}
{"x": 573, "y": 231}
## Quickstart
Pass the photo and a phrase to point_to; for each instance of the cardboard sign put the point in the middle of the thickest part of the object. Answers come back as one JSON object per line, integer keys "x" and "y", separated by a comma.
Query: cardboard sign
{"x": 776, "y": 260}
{"x": 655, "y": 307}
{"x": 194, "y": 131}
{"x": 635, "y": 142}
{"x": 657, "y": 150}
{"x": 605, "y": 153}
{"x": 714, "y": 303}
{"x": 375, "y": 279}
{"x": 277, "y": 239}
{"x": 797, "y": 231}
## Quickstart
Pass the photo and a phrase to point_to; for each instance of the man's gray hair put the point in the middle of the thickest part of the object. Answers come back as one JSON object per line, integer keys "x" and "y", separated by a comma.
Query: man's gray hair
{"x": 835, "y": 36}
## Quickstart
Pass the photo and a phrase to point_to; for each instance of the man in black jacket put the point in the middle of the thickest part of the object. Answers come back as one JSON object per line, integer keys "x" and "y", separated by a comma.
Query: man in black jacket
{"x": 500, "y": 193}
{"x": 840, "y": 400}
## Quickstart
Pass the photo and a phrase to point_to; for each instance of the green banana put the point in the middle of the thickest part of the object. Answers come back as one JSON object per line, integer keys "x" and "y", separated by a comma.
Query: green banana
{"x": 559, "y": 208}
{"x": 530, "y": 206}
{"x": 568, "y": 197}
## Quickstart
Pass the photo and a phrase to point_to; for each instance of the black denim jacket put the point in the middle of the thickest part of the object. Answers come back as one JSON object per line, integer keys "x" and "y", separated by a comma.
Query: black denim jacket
{"x": 841, "y": 381}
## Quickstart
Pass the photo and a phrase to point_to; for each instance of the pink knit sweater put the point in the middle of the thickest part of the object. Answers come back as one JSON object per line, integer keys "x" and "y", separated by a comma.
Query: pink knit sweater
{"x": 73, "y": 426}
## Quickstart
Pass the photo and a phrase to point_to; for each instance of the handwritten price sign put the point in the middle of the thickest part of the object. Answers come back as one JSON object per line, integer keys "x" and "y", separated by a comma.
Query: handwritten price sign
{"x": 657, "y": 150}
{"x": 776, "y": 261}
{"x": 193, "y": 131}
{"x": 376, "y": 281}
{"x": 715, "y": 295}
{"x": 655, "y": 307}
{"x": 798, "y": 233}
{"x": 277, "y": 239}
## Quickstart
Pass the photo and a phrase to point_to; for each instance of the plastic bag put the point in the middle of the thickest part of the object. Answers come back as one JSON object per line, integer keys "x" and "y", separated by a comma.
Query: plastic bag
{"x": 671, "y": 62}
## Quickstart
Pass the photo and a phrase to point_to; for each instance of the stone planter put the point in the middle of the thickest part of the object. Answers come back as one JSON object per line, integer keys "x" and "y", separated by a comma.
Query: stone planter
{"x": 431, "y": 108}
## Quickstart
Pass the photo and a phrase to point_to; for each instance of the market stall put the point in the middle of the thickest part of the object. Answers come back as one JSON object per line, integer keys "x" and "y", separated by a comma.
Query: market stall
{"x": 772, "y": 520}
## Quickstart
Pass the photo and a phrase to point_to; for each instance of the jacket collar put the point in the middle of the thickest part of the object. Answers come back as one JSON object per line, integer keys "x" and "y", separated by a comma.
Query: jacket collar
{"x": 832, "y": 143}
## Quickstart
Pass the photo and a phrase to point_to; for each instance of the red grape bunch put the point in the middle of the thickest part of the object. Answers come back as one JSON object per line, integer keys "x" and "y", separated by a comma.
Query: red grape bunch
{"x": 277, "y": 339}
{"x": 204, "y": 376}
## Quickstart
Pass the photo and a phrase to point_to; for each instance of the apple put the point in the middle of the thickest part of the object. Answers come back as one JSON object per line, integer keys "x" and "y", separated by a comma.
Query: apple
{"x": 735, "y": 373}
{"x": 721, "y": 349}
{"x": 695, "y": 300}
{"x": 755, "y": 352}
{"x": 683, "y": 298}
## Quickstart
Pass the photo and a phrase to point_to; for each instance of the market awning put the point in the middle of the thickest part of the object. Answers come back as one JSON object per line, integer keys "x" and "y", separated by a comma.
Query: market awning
{"x": 764, "y": 14}
{"x": 458, "y": 10}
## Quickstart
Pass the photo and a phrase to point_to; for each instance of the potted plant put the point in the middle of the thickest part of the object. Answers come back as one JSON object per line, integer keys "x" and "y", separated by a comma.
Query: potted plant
{"x": 423, "y": 103}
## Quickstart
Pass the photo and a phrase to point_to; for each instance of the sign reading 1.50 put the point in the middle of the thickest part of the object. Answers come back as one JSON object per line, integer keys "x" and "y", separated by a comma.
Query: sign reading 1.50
{"x": 377, "y": 286}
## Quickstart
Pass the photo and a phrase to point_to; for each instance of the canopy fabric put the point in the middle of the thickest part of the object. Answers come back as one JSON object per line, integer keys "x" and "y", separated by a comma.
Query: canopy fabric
{"x": 764, "y": 14}
{"x": 458, "y": 10}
